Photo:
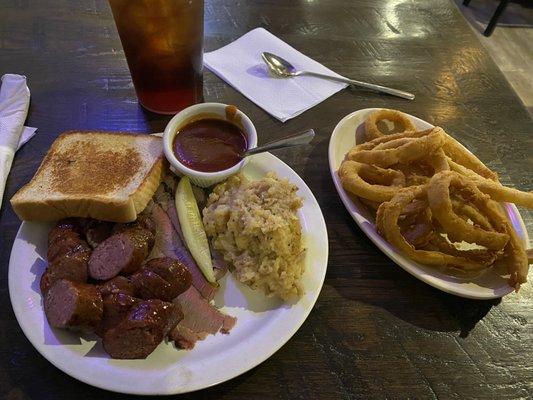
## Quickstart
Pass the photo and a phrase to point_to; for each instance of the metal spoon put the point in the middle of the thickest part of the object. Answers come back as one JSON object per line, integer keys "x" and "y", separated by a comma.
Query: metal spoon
{"x": 284, "y": 69}
{"x": 296, "y": 139}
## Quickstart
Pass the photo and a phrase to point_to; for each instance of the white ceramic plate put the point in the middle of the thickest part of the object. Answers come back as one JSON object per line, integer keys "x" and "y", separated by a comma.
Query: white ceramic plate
{"x": 491, "y": 284}
{"x": 263, "y": 324}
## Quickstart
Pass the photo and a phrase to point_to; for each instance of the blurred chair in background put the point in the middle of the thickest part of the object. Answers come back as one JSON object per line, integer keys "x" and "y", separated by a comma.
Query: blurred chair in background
{"x": 494, "y": 20}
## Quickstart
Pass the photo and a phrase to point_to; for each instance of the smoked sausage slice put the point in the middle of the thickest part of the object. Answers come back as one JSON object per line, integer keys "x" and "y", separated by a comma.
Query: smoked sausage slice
{"x": 141, "y": 331}
{"x": 73, "y": 305}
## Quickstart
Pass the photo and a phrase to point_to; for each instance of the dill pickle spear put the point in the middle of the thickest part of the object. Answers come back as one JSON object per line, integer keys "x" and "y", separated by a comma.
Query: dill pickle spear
{"x": 193, "y": 228}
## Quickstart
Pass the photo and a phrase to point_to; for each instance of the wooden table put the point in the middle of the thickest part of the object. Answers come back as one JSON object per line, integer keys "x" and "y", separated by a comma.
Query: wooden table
{"x": 376, "y": 331}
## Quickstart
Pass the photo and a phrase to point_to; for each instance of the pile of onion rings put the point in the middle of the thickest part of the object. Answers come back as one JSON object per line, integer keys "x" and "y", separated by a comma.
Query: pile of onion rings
{"x": 431, "y": 196}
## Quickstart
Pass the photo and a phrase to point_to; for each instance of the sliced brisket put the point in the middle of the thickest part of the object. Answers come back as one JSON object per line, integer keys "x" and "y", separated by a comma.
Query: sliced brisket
{"x": 200, "y": 319}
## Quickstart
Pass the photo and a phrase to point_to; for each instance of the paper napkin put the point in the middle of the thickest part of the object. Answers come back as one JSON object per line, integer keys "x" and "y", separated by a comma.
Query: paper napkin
{"x": 240, "y": 64}
{"x": 14, "y": 103}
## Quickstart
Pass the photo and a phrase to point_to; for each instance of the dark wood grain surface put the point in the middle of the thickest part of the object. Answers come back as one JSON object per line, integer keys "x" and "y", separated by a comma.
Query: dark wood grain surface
{"x": 376, "y": 331}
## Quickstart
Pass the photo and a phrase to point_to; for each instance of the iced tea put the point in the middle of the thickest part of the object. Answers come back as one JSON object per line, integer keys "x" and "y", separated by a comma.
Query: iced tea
{"x": 163, "y": 43}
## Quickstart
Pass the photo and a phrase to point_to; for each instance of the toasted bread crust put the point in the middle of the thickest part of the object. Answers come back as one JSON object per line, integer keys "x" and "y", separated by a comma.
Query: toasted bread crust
{"x": 54, "y": 205}
{"x": 148, "y": 187}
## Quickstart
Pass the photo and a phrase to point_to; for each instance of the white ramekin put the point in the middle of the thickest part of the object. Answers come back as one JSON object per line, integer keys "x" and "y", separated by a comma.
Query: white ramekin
{"x": 209, "y": 110}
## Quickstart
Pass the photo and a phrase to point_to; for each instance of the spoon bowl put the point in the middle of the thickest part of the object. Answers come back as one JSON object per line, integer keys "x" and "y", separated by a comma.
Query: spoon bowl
{"x": 277, "y": 65}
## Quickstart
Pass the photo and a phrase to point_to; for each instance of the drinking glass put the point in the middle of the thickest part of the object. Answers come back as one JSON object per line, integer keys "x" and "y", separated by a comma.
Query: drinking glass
{"x": 163, "y": 44}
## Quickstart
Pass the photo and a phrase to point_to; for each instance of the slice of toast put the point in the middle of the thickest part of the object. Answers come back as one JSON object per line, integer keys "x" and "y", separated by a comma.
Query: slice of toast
{"x": 109, "y": 176}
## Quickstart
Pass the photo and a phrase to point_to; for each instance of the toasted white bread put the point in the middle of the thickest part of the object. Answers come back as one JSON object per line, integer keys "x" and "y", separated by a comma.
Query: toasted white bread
{"x": 110, "y": 176}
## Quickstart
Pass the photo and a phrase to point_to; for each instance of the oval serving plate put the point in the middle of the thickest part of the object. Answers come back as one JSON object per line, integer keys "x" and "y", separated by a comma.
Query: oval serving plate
{"x": 489, "y": 285}
{"x": 263, "y": 324}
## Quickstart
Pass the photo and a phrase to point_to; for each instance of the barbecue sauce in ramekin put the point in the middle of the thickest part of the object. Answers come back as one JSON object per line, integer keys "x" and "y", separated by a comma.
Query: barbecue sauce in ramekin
{"x": 209, "y": 145}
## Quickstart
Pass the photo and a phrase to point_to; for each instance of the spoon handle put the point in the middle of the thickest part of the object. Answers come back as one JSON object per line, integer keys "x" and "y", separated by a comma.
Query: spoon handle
{"x": 371, "y": 86}
{"x": 296, "y": 139}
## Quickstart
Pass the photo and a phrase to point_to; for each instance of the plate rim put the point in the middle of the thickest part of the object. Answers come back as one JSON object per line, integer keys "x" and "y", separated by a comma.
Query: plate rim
{"x": 284, "y": 339}
{"x": 394, "y": 255}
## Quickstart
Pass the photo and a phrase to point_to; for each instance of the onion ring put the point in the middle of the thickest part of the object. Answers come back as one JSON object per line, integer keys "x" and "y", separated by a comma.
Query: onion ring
{"x": 494, "y": 189}
{"x": 438, "y": 161}
{"x": 461, "y": 169}
{"x": 517, "y": 259}
{"x": 391, "y": 144}
{"x": 505, "y": 194}
{"x": 370, "y": 182}
{"x": 371, "y": 123}
{"x": 458, "y": 229}
{"x": 468, "y": 211}
{"x": 460, "y": 155}
{"x": 414, "y": 149}
{"x": 482, "y": 256}
{"x": 387, "y": 223}
{"x": 384, "y": 139}
{"x": 419, "y": 173}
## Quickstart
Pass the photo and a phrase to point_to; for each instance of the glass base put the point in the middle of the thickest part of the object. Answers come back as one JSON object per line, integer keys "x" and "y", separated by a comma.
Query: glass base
{"x": 157, "y": 111}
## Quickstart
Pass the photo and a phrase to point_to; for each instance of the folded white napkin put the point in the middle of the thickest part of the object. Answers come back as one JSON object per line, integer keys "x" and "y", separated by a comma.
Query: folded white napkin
{"x": 14, "y": 103}
{"x": 27, "y": 133}
{"x": 240, "y": 64}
